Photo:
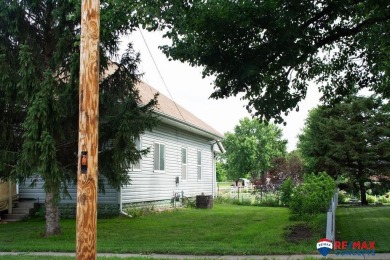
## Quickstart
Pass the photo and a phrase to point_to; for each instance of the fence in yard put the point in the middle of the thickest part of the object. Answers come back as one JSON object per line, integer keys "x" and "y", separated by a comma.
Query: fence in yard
{"x": 331, "y": 218}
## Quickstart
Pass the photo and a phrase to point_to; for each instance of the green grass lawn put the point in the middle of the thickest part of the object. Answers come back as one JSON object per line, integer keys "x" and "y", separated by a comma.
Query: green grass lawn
{"x": 225, "y": 229}
{"x": 25, "y": 257}
{"x": 29, "y": 257}
{"x": 364, "y": 224}
{"x": 225, "y": 185}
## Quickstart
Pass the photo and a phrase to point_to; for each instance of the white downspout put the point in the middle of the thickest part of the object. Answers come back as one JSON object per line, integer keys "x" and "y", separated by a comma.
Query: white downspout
{"x": 121, "y": 205}
{"x": 214, "y": 176}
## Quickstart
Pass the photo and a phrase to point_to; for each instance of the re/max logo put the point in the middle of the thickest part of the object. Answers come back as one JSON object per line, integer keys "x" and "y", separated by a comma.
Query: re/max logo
{"x": 354, "y": 245}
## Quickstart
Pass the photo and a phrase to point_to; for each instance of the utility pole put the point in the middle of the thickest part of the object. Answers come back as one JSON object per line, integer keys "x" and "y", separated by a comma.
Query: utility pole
{"x": 87, "y": 173}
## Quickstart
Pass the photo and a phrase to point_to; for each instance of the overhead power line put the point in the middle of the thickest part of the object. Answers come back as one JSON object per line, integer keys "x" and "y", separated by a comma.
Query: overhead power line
{"x": 159, "y": 73}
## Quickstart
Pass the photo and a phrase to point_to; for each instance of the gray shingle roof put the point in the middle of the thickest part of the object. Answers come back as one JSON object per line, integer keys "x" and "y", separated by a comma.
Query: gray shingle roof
{"x": 171, "y": 109}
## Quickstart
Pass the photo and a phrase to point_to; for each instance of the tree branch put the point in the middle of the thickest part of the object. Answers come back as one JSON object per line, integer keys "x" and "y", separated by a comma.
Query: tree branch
{"x": 345, "y": 32}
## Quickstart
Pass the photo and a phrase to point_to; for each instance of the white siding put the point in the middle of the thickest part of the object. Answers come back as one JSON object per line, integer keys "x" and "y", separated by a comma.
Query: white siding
{"x": 37, "y": 192}
{"x": 148, "y": 185}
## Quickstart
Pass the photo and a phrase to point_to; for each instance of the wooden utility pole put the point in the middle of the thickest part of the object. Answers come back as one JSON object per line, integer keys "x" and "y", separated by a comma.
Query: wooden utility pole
{"x": 87, "y": 173}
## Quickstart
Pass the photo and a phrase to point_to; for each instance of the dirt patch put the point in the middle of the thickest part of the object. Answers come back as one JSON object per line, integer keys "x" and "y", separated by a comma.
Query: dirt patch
{"x": 299, "y": 233}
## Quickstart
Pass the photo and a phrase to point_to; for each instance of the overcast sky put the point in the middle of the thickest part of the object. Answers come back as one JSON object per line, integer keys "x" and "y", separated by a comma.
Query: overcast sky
{"x": 190, "y": 90}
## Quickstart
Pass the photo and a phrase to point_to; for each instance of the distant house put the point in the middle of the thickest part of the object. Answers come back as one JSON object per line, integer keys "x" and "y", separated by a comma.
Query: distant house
{"x": 181, "y": 161}
{"x": 8, "y": 195}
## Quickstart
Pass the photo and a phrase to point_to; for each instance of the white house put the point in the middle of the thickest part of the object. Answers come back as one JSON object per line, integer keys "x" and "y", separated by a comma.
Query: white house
{"x": 181, "y": 161}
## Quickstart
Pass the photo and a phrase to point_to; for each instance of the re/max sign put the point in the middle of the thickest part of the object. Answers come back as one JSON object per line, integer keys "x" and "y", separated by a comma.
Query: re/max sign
{"x": 358, "y": 245}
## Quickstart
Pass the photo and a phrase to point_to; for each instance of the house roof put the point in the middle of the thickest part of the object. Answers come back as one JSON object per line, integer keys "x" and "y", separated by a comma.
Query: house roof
{"x": 176, "y": 114}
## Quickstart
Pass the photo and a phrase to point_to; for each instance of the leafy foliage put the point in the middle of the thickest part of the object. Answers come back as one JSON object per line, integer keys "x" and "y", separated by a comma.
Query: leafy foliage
{"x": 221, "y": 171}
{"x": 286, "y": 189}
{"x": 350, "y": 138}
{"x": 289, "y": 166}
{"x": 313, "y": 195}
{"x": 251, "y": 148}
{"x": 380, "y": 186}
{"x": 272, "y": 50}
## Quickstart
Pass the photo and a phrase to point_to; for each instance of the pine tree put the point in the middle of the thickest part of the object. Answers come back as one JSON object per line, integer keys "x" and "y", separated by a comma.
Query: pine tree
{"x": 39, "y": 75}
{"x": 350, "y": 139}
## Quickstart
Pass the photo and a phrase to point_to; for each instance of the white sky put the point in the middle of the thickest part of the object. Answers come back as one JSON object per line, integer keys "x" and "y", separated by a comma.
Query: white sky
{"x": 190, "y": 90}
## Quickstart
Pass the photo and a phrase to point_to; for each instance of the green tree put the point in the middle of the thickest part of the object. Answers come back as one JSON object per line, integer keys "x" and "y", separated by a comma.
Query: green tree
{"x": 270, "y": 50}
{"x": 221, "y": 171}
{"x": 251, "y": 148}
{"x": 39, "y": 79}
{"x": 351, "y": 138}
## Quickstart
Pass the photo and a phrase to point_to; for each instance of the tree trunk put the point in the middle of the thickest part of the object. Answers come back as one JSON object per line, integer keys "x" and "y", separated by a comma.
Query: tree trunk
{"x": 52, "y": 215}
{"x": 363, "y": 197}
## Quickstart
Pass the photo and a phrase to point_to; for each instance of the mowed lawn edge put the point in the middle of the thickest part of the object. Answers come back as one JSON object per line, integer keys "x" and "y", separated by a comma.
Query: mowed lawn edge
{"x": 370, "y": 223}
{"x": 225, "y": 229}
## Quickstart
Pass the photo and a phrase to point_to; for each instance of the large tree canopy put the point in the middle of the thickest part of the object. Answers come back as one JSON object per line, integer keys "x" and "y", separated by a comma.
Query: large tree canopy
{"x": 251, "y": 149}
{"x": 351, "y": 138}
{"x": 39, "y": 75}
{"x": 271, "y": 50}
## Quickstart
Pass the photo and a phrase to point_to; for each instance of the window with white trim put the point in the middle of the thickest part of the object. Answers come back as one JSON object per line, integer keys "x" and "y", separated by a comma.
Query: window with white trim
{"x": 184, "y": 164}
{"x": 159, "y": 157}
{"x": 199, "y": 164}
{"x": 137, "y": 166}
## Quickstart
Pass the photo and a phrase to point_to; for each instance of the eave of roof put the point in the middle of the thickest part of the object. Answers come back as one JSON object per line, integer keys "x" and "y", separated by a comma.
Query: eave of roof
{"x": 173, "y": 114}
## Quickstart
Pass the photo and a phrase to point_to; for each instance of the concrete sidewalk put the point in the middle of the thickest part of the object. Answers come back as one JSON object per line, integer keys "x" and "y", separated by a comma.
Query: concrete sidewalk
{"x": 382, "y": 256}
